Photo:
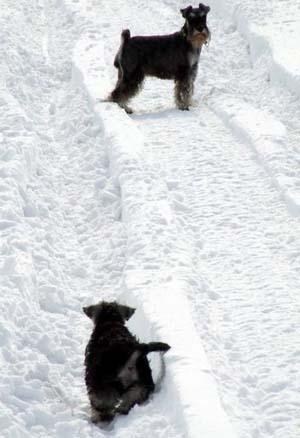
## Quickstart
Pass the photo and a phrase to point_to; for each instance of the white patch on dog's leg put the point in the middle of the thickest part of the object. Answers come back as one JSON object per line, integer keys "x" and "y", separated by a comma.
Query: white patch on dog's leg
{"x": 129, "y": 374}
{"x": 135, "y": 394}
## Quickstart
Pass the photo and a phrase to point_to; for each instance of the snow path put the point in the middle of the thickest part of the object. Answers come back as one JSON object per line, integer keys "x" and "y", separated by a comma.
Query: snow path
{"x": 237, "y": 212}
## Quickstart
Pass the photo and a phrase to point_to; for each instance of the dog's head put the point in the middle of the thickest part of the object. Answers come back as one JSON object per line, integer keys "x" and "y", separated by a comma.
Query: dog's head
{"x": 108, "y": 312}
{"x": 195, "y": 23}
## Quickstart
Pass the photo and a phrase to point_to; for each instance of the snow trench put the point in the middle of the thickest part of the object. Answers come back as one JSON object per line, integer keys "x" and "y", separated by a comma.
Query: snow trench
{"x": 149, "y": 283}
{"x": 269, "y": 35}
{"x": 270, "y": 130}
{"x": 268, "y": 137}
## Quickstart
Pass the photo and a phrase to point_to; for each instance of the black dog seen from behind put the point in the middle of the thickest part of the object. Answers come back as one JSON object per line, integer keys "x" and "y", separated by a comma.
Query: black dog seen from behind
{"x": 117, "y": 371}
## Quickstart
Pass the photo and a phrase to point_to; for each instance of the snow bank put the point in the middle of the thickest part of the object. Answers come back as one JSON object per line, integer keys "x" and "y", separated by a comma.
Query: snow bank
{"x": 269, "y": 35}
{"x": 149, "y": 284}
{"x": 267, "y": 136}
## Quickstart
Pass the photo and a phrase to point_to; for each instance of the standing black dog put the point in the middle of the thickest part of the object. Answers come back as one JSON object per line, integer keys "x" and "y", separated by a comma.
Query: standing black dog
{"x": 172, "y": 56}
{"x": 117, "y": 373}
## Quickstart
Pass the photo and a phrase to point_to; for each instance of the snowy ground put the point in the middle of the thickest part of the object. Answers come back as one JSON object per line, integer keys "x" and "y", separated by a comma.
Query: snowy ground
{"x": 192, "y": 217}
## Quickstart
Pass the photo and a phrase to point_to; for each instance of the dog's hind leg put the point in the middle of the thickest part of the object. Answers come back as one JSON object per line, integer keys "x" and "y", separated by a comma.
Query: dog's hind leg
{"x": 130, "y": 78}
{"x": 136, "y": 394}
{"x": 126, "y": 88}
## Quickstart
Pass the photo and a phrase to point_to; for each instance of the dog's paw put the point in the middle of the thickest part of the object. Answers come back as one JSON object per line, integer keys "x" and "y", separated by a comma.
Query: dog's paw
{"x": 102, "y": 417}
{"x": 127, "y": 109}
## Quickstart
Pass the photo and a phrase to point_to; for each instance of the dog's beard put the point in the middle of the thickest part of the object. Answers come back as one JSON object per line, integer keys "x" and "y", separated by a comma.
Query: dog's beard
{"x": 198, "y": 39}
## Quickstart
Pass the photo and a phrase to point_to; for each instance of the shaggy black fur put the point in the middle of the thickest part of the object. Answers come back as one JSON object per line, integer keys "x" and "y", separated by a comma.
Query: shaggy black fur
{"x": 172, "y": 56}
{"x": 117, "y": 372}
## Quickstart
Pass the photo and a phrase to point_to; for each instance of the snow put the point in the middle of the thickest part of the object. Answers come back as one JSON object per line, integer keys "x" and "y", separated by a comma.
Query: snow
{"x": 267, "y": 135}
{"x": 272, "y": 31}
{"x": 192, "y": 217}
{"x": 194, "y": 389}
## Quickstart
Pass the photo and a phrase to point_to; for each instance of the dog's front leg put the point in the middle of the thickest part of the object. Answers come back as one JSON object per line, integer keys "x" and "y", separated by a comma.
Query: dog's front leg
{"x": 103, "y": 404}
{"x": 184, "y": 89}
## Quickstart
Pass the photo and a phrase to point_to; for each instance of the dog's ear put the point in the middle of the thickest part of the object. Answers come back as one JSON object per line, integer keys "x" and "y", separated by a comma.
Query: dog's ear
{"x": 186, "y": 12}
{"x": 89, "y": 311}
{"x": 204, "y": 9}
{"x": 125, "y": 311}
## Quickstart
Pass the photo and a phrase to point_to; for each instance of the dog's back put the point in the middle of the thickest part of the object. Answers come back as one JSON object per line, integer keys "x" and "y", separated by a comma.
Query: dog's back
{"x": 110, "y": 346}
{"x": 150, "y": 53}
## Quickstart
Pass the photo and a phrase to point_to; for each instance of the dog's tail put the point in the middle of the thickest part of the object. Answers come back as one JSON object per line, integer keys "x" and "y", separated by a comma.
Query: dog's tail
{"x": 161, "y": 348}
{"x": 125, "y": 35}
{"x": 161, "y": 374}
{"x": 154, "y": 346}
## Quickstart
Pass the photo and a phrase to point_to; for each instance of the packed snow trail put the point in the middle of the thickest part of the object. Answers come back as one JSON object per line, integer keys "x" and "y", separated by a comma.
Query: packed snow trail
{"x": 235, "y": 193}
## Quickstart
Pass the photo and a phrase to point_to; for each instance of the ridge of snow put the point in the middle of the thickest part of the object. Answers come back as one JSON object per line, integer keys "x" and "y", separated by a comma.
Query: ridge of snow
{"x": 256, "y": 23}
{"x": 163, "y": 309}
{"x": 267, "y": 135}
